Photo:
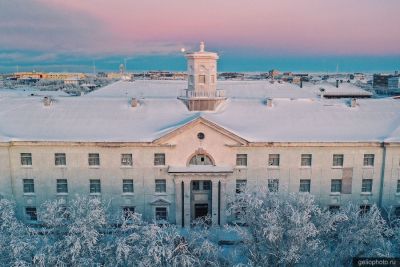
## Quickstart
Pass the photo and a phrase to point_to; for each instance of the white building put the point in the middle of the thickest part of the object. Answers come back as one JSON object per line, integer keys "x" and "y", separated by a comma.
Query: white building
{"x": 176, "y": 154}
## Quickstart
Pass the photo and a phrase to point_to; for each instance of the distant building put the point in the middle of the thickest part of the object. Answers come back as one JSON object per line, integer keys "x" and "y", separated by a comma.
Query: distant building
{"x": 273, "y": 73}
{"x": 385, "y": 83}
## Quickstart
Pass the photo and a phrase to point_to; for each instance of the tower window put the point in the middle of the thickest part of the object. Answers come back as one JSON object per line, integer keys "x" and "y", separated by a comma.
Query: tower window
{"x": 202, "y": 78}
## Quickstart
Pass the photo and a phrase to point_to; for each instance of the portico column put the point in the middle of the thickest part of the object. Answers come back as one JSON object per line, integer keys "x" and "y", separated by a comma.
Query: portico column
{"x": 223, "y": 202}
{"x": 178, "y": 202}
{"x": 214, "y": 202}
{"x": 186, "y": 204}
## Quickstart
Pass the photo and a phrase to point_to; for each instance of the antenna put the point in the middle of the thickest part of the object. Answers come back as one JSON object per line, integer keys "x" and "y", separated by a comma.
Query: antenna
{"x": 94, "y": 67}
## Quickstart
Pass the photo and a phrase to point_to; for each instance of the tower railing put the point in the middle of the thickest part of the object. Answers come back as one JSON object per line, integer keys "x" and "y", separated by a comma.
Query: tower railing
{"x": 202, "y": 94}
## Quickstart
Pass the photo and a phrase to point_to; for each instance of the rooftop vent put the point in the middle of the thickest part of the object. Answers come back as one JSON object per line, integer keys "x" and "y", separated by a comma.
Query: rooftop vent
{"x": 353, "y": 102}
{"x": 47, "y": 101}
{"x": 268, "y": 102}
{"x": 322, "y": 90}
{"x": 337, "y": 83}
{"x": 134, "y": 102}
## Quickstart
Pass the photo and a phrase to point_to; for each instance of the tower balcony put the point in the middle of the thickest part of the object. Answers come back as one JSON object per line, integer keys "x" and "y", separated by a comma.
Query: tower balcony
{"x": 188, "y": 94}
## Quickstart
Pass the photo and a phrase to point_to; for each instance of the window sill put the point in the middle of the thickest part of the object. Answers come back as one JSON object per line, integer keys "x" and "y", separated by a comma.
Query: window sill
{"x": 161, "y": 166}
{"x": 128, "y": 194}
{"x": 26, "y": 166}
{"x": 126, "y": 167}
{"x": 305, "y": 167}
{"x": 94, "y": 167}
{"x": 161, "y": 194}
{"x": 368, "y": 167}
{"x": 240, "y": 167}
{"x": 95, "y": 194}
{"x": 29, "y": 194}
{"x": 335, "y": 193}
{"x": 62, "y": 194}
{"x": 397, "y": 194}
{"x": 366, "y": 194}
{"x": 337, "y": 167}
{"x": 273, "y": 167}
{"x": 61, "y": 166}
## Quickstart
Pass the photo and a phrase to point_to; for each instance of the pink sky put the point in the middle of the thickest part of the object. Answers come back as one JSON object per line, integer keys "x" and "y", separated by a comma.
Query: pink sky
{"x": 285, "y": 26}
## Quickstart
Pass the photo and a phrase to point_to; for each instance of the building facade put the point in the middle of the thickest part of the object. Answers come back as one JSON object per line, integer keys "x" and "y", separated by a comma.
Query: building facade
{"x": 171, "y": 161}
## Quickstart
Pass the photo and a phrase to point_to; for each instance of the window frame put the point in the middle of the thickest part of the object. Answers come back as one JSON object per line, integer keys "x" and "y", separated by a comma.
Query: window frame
{"x": 93, "y": 185}
{"x": 336, "y": 183}
{"x": 305, "y": 182}
{"x": 28, "y": 186}
{"x": 337, "y": 160}
{"x": 202, "y": 78}
{"x": 366, "y": 185}
{"x": 59, "y": 184}
{"x": 60, "y": 159}
{"x": 369, "y": 160}
{"x": 273, "y": 185}
{"x": 274, "y": 160}
{"x": 160, "y": 186}
{"x": 126, "y": 160}
{"x": 94, "y": 159}
{"x": 241, "y": 160}
{"x": 128, "y": 186}
{"x": 159, "y": 159}
{"x": 26, "y": 159}
{"x": 31, "y": 215}
{"x": 306, "y": 160}
{"x": 241, "y": 185}
{"x": 157, "y": 210}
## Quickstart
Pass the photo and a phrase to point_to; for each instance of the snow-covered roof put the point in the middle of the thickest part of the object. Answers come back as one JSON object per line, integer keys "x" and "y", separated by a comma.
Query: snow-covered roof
{"x": 112, "y": 119}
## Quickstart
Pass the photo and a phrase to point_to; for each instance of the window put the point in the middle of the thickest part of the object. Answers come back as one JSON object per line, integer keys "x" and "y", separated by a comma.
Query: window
{"x": 273, "y": 185}
{"x": 126, "y": 160}
{"x": 127, "y": 186}
{"x": 200, "y": 159}
{"x": 337, "y": 160}
{"x": 161, "y": 186}
{"x": 128, "y": 211}
{"x": 161, "y": 214}
{"x": 202, "y": 78}
{"x": 206, "y": 185}
{"x": 369, "y": 160}
{"x": 26, "y": 159}
{"x": 336, "y": 185}
{"x": 273, "y": 160}
{"x": 212, "y": 78}
{"x": 364, "y": 209}
{"x": 196, "y": 185}
{"x": 397, "y": 212}
{"x": 305, "y": 185}
{"x": 398, "y": 186}
{"x": 191, "y": 79}
{"x": 306, "y": 159}
{"x": 366, "y": 186}
{"x": 240, "y": 186}
{"x": 62, "y": 186}
{"x": 29, "y": 186}
{"x": 241, "y": 159}
{"x": 159, "y": 159}
{"x": 94, "y": 159}
{"x": 31, "y": 213}
{"x": 334, "y": 208}
{"x": 95, "y": 186}
{"x": 60, "y": 159}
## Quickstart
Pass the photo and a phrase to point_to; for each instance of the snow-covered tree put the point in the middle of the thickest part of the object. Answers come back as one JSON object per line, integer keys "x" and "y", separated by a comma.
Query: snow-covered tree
{"x": 356, "y": 233}
{"x": 17, "y": 241}
{"x": 74, "y": 234}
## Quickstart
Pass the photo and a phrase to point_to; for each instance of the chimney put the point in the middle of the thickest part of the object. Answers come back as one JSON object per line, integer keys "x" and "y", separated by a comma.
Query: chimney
{"x": 301, "y": 83}
{"x": 322, "y": 90}
{"x": 134, "y": 102}
{"x": 268, "y": 101}
{"x": 353, "y": 102}
{"x": 337, "y": 83}
{"x": 47, "y": 101}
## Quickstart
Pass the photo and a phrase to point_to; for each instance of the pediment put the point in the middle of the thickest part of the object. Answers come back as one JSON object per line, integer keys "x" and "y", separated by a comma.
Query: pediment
{"x": 160, "y": 202}
{"x": 204, "y": 122}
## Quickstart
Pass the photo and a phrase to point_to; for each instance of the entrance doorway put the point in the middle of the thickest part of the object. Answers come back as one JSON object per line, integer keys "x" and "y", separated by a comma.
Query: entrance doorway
{"x": 200, "y": 210}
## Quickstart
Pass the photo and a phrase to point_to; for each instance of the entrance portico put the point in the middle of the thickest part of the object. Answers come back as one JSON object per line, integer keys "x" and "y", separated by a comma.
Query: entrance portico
{"x": 200, "y": 190}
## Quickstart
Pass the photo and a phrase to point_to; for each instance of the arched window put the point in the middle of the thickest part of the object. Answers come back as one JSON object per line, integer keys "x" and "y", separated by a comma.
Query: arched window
{"x": 200, "y": 159}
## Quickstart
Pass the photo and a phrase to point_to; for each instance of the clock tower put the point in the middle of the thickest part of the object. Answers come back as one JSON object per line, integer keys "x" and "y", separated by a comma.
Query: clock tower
{"x": 201, "y": 93}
